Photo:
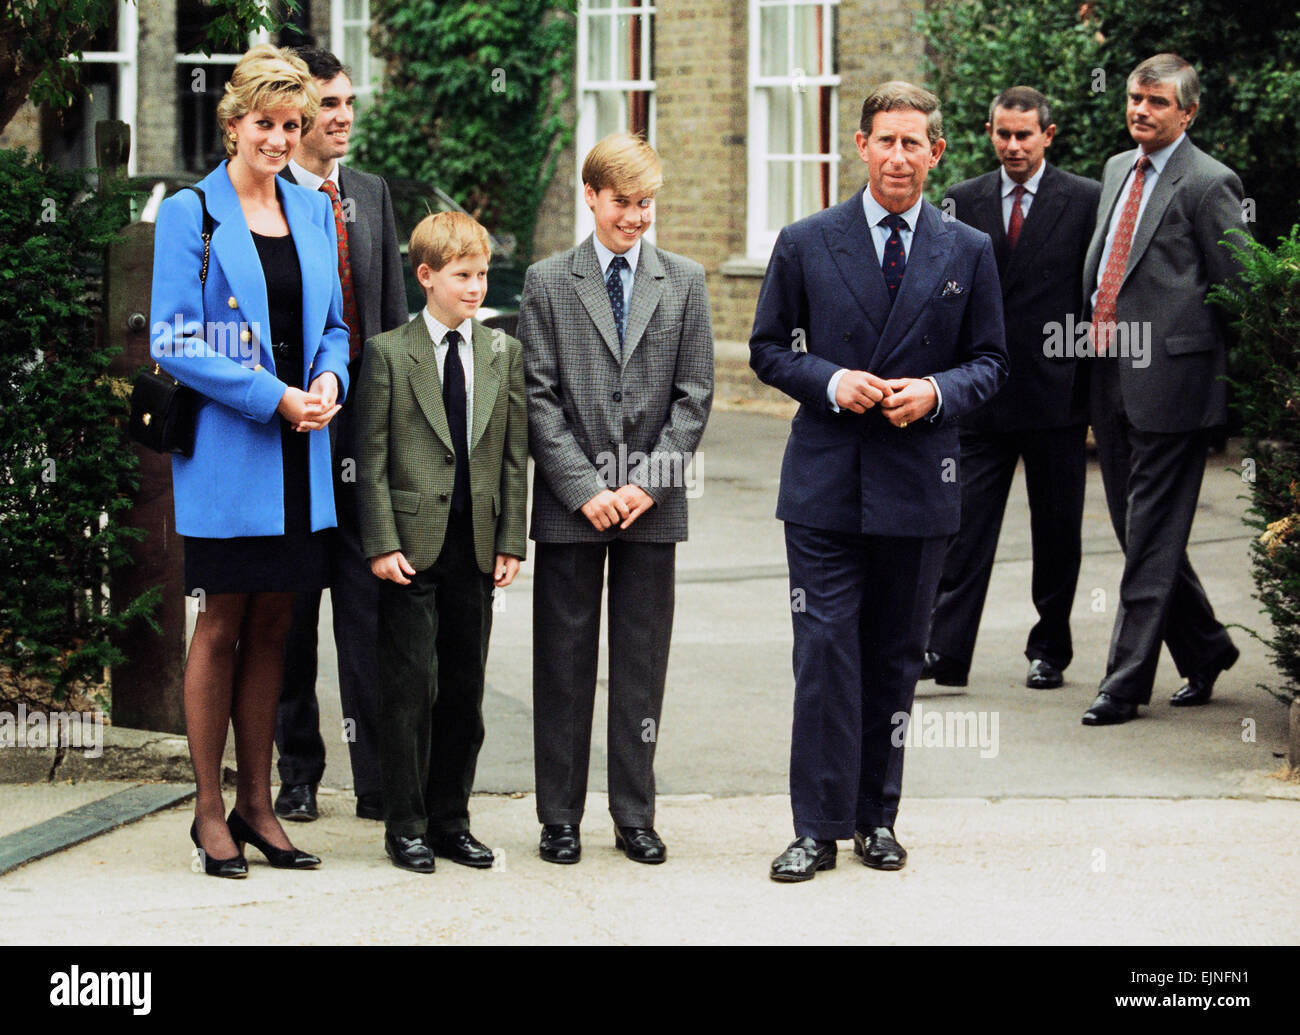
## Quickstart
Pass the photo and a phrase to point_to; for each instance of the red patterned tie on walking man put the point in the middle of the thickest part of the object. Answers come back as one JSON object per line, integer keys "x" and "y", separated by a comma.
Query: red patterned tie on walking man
{"x": 345, "y": 272}
{"x": 1103, "y": 314}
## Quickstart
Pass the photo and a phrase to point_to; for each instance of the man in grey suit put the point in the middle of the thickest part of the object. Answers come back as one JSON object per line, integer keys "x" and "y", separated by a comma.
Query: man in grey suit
{"x": 1158, "y": 385}
{"x": 618, "y": 359}
{"x": 370, "y": 267}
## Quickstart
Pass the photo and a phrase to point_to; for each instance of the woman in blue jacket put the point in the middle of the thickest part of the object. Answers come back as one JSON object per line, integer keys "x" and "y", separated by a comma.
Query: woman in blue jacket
{"x": 263, "y": 342}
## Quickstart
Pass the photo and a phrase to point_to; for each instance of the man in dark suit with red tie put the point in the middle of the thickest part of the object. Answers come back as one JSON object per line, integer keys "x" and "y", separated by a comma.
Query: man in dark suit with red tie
{"x": 374, "y": 300}
{"x": 1040, "y": 220}
{"x": 885, "y": 322}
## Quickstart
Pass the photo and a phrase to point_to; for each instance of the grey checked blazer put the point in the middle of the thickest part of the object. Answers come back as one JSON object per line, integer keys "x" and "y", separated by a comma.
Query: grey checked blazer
{"x": 597, "y": 422}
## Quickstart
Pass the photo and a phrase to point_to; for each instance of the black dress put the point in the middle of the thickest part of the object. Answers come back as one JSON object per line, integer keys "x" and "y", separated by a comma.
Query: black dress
{"x": 297, "y": 560}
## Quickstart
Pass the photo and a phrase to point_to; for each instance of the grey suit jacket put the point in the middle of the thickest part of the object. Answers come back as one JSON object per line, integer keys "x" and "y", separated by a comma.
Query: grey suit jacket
{"x": 596, "y": 421}
{"x": 372, "y": 250}
{"x": 406, "y": 464}
{"x": 1175, "y": 258}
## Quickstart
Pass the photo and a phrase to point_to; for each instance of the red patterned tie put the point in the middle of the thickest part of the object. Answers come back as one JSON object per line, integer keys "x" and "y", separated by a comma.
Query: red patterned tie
{"x": 1017, "y": 221}
{"x": 345, "y": 273}
{"x": 1103, "y": 313}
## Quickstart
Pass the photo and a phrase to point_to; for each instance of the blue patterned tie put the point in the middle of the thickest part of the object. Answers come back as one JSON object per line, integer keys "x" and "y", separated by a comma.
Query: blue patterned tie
{"x": 895, "y": 262}
{"x": 614, "y": 286}
{"x": 453, "y": 400}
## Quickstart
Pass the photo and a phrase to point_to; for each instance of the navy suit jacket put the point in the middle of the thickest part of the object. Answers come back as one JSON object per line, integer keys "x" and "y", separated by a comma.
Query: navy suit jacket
{"x": 212, "y": 338}
{"x": 824, "y": 305}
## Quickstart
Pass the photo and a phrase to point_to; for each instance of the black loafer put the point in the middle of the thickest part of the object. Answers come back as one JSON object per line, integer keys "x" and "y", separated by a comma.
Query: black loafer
{"x": 560, "y": 843}
{"x": 1043, "y": 675}
{"x": 1107, "y": 710}
{"x": 802, "y": 859}
{"x": 409, "y": 853}
{"x": 370, "y": 805}
{"x": 879, "y": 849}
{"x": 1200, "y": 685}
{"x": 296, "y": 801}
{"x": 640, "y": 844}
{"x": 944, "y": 671}
{"x": 460, "y": 846}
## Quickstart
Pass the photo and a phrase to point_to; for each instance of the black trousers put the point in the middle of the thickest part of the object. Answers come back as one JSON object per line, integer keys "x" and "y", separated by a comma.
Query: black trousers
{"x": 568, "y": 579}
{"x": 1055, "y": 474}
{"x": 354, "y": 599}
{"x": 433, "y": 643}
{"x": 1152, "y": 484}
{"x": 861, "y": 605}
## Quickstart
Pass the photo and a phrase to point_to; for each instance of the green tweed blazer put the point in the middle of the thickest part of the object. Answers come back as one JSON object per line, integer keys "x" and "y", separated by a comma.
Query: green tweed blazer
{"x": 406, "y": 463}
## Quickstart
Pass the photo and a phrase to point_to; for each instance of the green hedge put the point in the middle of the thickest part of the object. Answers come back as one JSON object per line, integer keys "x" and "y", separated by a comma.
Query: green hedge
{"x": 66, "y": 470}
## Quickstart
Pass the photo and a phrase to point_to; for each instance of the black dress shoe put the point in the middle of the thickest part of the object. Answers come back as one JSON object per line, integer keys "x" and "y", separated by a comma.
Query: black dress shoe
{"x": 1199, "y": 685}
{"x": 802, "y": 859}
{"x": 235, "y": 866}
{"x": 560, "y": 843}
{"x": 462, "y": 847}
{"x": 370, "y": 805}
{"x": 944, "y": 671}
{"x": 280, "y": 858}
{"x": 409, "y": 853}
{"x": 1043, "y": 675}
{"x": 879, "y": 849}
{"x": 296, "y": 801}
{"x": 640, "y": 844}
{"x": 1107, "y": 710}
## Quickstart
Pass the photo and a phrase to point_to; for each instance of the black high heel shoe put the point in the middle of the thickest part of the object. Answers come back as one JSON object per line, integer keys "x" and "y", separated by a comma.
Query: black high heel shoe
{"x": 280, "y": 858}
{"x": 236, "y": 866}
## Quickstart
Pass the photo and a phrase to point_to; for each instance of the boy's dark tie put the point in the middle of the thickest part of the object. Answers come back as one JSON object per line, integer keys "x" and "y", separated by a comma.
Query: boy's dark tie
{"x": 453, "y": 400}
{"x": 614, "y": 285}
{"x": 894, "y": 263}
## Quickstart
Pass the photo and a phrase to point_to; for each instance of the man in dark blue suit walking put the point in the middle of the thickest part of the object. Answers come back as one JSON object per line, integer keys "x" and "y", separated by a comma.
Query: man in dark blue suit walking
{"x": 885, "y": 322}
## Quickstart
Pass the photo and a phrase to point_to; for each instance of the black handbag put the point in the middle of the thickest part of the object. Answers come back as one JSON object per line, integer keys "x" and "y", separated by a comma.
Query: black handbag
{"x": 164, "y": 412}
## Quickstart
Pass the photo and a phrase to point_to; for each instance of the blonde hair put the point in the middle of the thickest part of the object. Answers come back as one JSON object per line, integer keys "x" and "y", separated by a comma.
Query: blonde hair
{"x": 625, "y": 163}
{"x": 267, "y": 78}
{"x": 444, "y": 237}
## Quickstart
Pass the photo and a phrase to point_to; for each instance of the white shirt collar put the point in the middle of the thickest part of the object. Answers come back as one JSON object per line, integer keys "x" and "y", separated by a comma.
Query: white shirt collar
{"x": 604, "y": 255}
{"x": 1030, "y": 185}
{"x": 1159, "y": 158}
{"x": 307, "y": 178}
{"x": 437, "y": 331}
{"x": 875, "y": 211}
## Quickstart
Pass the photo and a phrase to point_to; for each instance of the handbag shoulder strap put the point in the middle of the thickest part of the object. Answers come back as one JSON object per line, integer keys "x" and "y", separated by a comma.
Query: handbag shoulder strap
{"x": 207, "y": 233}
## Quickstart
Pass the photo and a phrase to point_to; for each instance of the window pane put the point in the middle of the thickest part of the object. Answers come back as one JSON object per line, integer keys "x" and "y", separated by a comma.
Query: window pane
{"x": 355, "y": 11}
{"x": 609, "y": 113}
{"x": 598, "y": 58}
{"x": 808, "y": 40}
{"x": 773, "y": 33}
{"x": 779, "y": 212}
{"x": 814, "y": 107}
{"x": 810, "y": 190}
{"x": 629, "y": 48}
{"x": 780, "y": 120}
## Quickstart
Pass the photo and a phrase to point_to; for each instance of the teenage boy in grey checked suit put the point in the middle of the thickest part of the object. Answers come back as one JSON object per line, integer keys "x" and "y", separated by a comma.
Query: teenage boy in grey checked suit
{"x": 618, "y": 359}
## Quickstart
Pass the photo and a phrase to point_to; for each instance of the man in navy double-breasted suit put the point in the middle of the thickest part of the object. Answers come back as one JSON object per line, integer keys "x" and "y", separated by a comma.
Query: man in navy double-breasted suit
{"x": 884, "y": 320}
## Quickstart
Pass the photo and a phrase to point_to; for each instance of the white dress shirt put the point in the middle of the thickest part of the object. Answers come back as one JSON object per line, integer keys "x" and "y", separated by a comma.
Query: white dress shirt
{"x": 307, "y": 178}
{"x": 439, "y": 335}
{"x": 1009, "y": 189}
{"x": 604, "y": 256}
{"x": 1153, "y": 171}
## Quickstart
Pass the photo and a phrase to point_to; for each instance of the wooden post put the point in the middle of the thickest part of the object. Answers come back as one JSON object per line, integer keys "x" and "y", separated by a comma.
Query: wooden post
{"x": 147, "y": 686}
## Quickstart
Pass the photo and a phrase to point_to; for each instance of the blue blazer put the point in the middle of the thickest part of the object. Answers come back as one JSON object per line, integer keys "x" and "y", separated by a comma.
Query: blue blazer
{"x": 824, "y": 305}
{"x": 212, "y": 340}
